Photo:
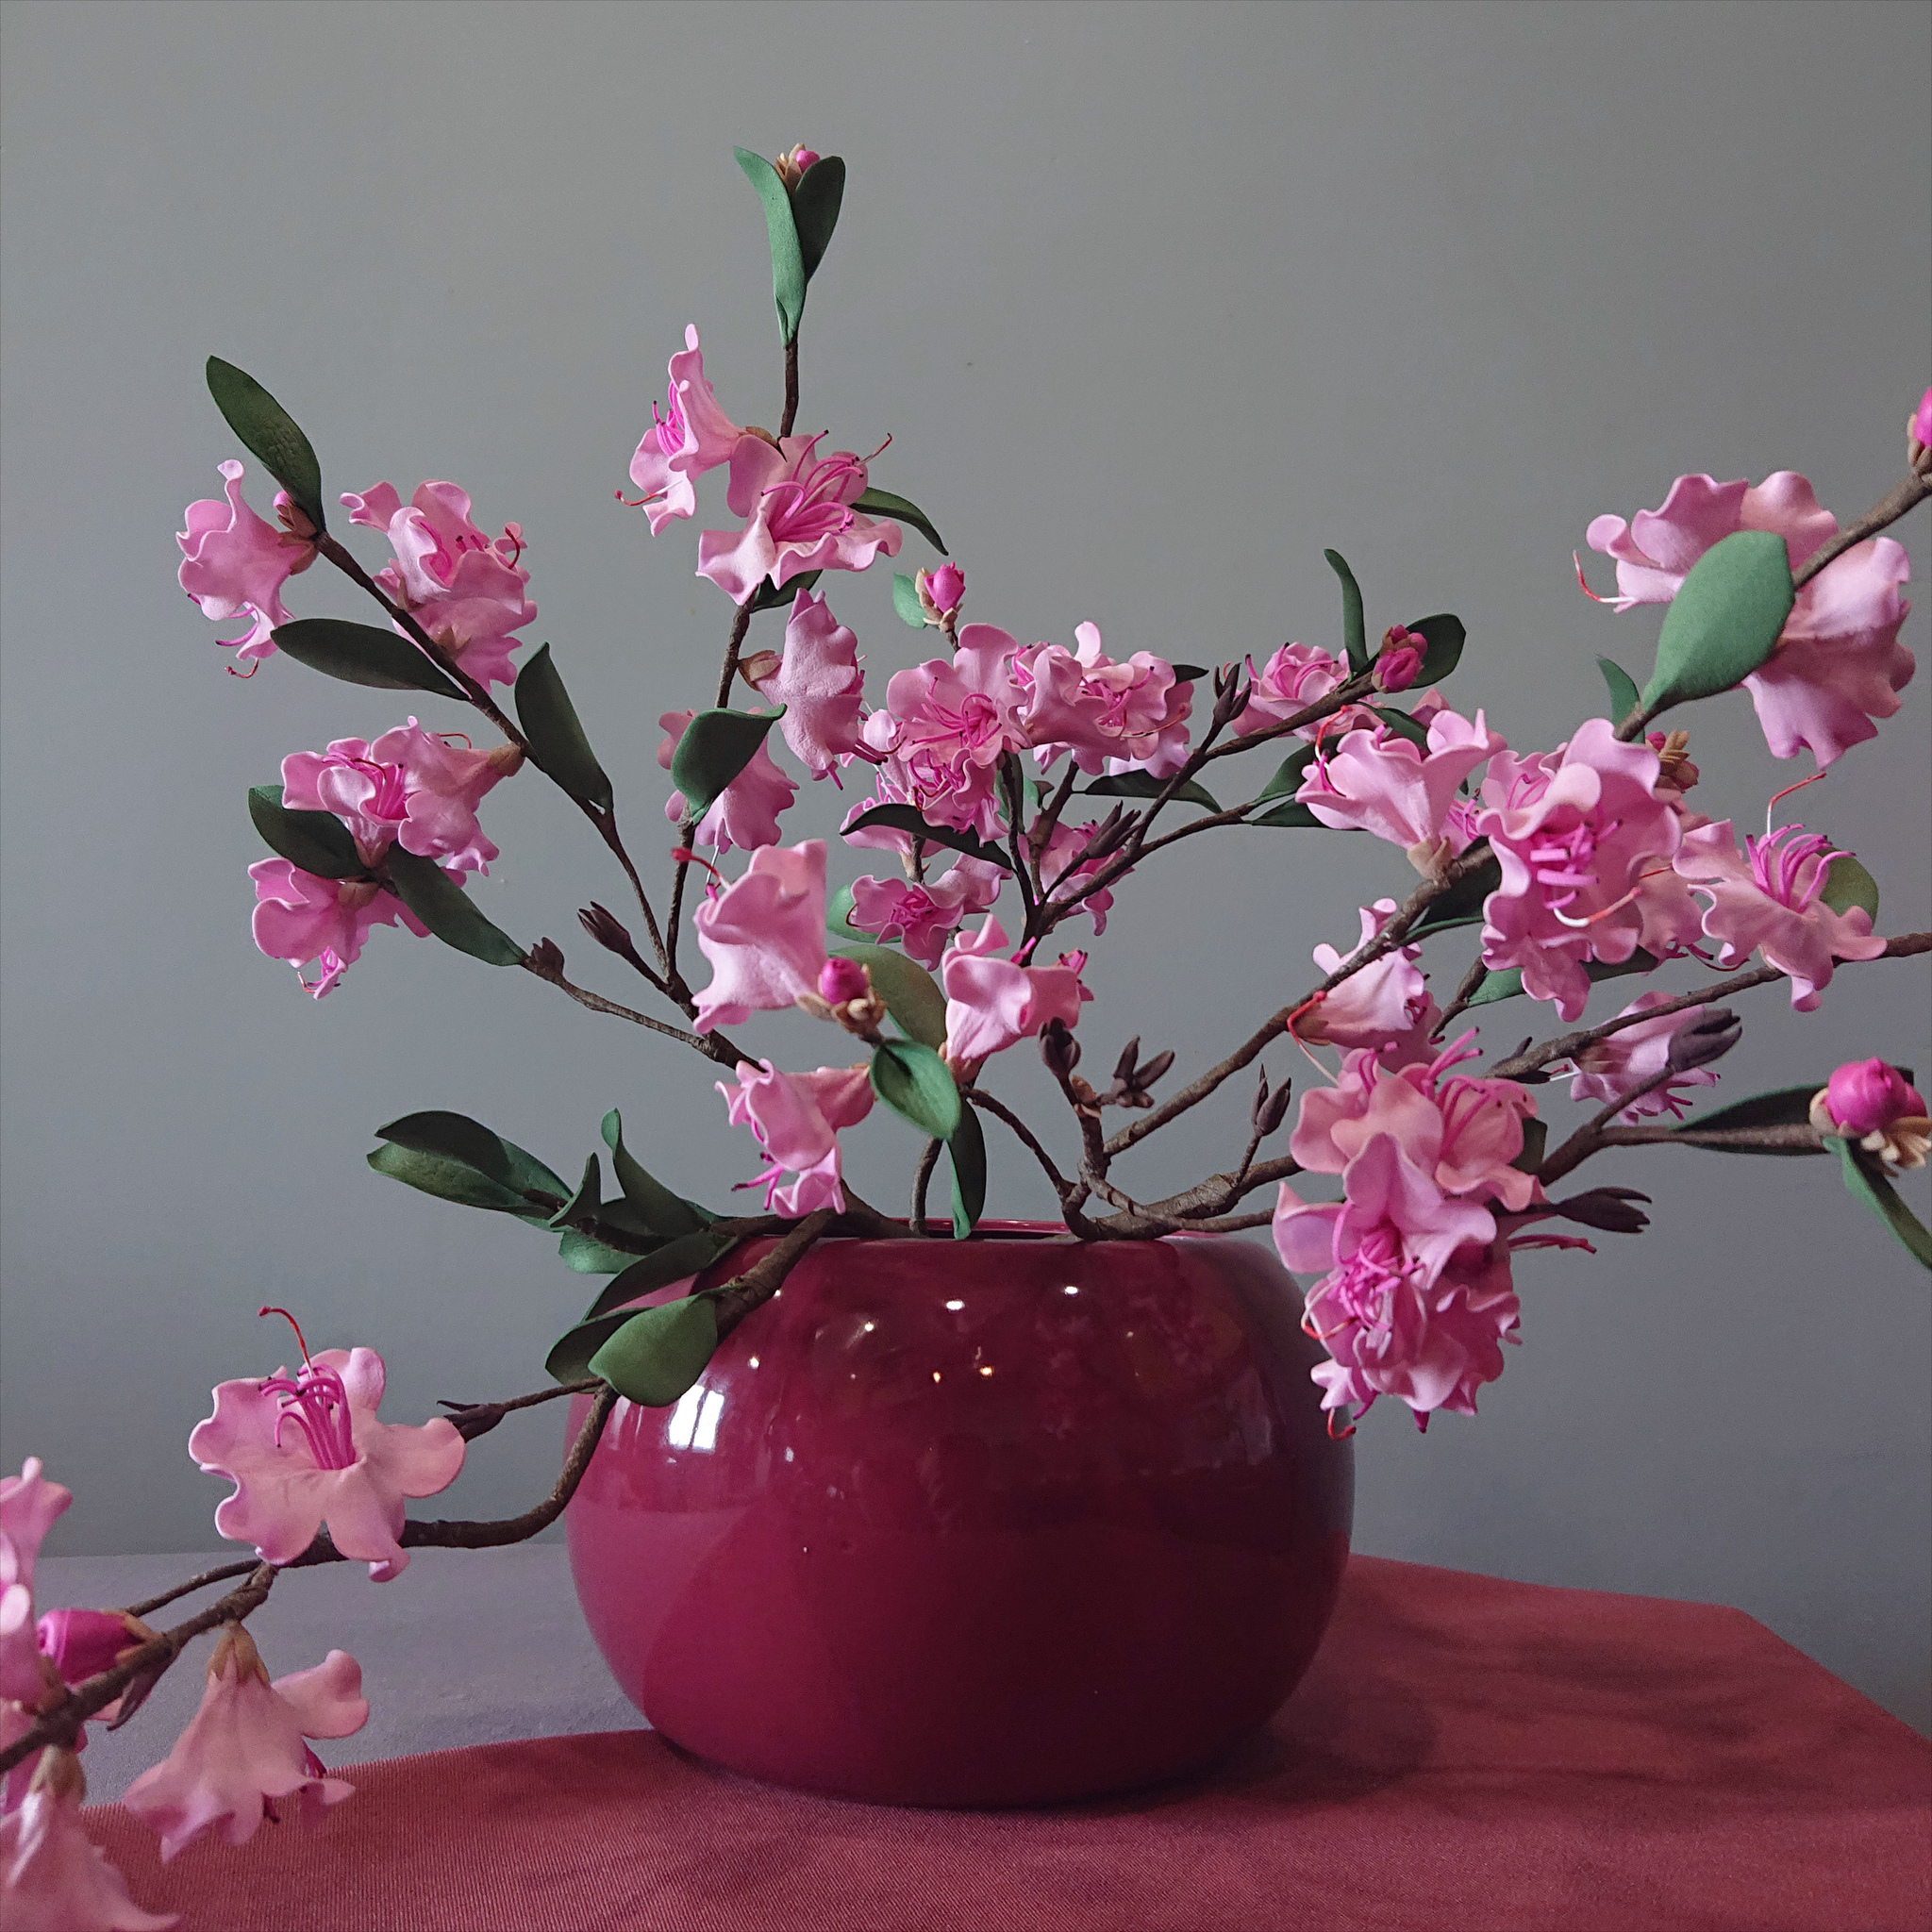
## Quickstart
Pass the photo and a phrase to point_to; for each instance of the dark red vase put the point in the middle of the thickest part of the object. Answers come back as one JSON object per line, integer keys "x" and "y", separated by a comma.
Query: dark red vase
{"x": 995, "y": 1522}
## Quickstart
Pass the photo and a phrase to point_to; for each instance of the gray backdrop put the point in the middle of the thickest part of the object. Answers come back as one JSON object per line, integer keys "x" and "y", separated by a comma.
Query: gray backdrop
{"x": 1155, "y": 302}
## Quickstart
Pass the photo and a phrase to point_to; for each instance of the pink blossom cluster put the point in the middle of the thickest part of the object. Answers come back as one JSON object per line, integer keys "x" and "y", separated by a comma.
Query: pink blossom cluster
{"x": 233, "y": 565}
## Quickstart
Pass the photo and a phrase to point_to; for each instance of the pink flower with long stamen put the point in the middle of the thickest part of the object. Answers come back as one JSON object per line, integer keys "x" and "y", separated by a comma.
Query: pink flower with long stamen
{"x": 693, "y": 436}
{"x": 306, "y": 1449}
{"x": 1384, "y": 1003}
{"x": 992, "y": 1003}
{"x": 53, "y": 1876}
{"x": 1296, "y": 676}
{"x": 1383, "y": 783}
{"x": 244, "y": 1756}
{"x": 465, "y": 589}
{"x": 799, "y": 504}
{"x": 233, "y": 565}
{"x": 29, "y": 1506}
{"x": 796, "y": 1118}
{"x": 1767, "y": 899}
{"x": 820, "y": 684}
{"x": 301, "y": 918}
{"x": 745, "y": 814}
{"x": 1613, "y": 1066}
{"x": 920, "y": 914}
{"x": 1838, "y": 664}
{"x": 764, "y": 934}
{"x": 1873, "y": 1104}
{"x": 1127, "y": 716}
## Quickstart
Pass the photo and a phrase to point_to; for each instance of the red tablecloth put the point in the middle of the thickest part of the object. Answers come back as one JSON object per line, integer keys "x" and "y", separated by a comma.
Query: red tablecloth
{"x": 1465, "y": 1753}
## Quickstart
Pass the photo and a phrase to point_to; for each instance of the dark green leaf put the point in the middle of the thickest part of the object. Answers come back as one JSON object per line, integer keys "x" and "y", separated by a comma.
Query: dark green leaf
{"x": 584, "y": 1254}
{"x": 1463, "y": 904}
{"x": 1623, "y": 688}
{"x": 660, "y": 1352}
{"x": 1290, "y": 775}
{"x": 664, "y": 1213}
{"x": 1865, "y": 1181}
{"x": 911, "y": 994}
{"x": 588, "y": 1198}
{"x": 716, "y": 746}
{"x": 1403, "y": 724}
{"x": 815, "y": 210}
{"x": 1445, "y": 638}
{"x": 781, "y": 231}
{"x": 1536, "y": 1138}
{"x": 1507, "y": 984}
{"x": 318, "y": 842}
{"x": 447, "y": 911}
{"x": 905, "y": 818}
{"x": 690, "y": 1254}
{"x": 1189, "y": 674}
{"x": 905, "y": 600}
{"x": 361, "y": 654}
{"x": 1288, "y": 814}
{"x": 1145, "y": 785}
{"x": 556, "y": 737}
{"x": 883, "y": 503}
{"x": 456, "y": 1137}
{"x": 1848, "y": 884}
{"x": 967, "y": 1150}
{"x": 268, "y": 431}
{"x": 915, "y": 1083}
{"x": 1723, "y": 622}
{"x": 451, "y": 1180}
{"x": 770, "y": 596}
{"x": 1783, "y": 1107}
{"x": 1353, "y": 636}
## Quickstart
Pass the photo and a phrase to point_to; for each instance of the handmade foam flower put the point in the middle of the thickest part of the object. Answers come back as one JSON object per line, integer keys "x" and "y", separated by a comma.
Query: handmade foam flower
{"x": 411, "y": 787}
{"x": 1386, "y": 784}
{"x": 764, "y": 934}
{"x": 306, "y": 1449}
{"x": 30, "y": 1505}
{"x": 1873, "y": 1104}
{"x": 79, "y": 1644}
{"x": 465, "y": 589}
{"x": 1921, "y": 430}
{"x": 1127, "y": 716}
{"x": 1766, "y": 899}
{"x": 744, "y": 815}
{"x": 233, "y": 565}
{"x": 693, "y": 436}
{"x": 940, "y": 592}
{"x": 1063, "y": 871}
{"x": 1608, "y": 1067}
{"x": 920, "y": 914}
{"x": 796, "y": 1118}
{"x": 799, "y": 507}
{"x": 992, "y": 1003}
{"x": 53, "y": 1876}
{"x": 299, "y": 917}
{"x": 243, "y": 1758}
{"x": 1296, "y": 676}
{"x": 1386, "y": 1001}
{"x": 820, "y": 684}
{"x": 1838, "y": 664}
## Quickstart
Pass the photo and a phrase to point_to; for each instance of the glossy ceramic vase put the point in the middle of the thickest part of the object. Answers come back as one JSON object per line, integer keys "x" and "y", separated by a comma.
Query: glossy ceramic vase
{"x": 996, "y": 1522}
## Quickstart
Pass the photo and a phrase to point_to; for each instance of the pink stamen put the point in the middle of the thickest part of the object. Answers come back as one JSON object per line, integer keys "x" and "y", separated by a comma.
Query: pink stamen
{"x": 1584, "y": 586}
{"x": 685, "y": 855}
{"x": 292, "y": 1324}
{"x": 316, "y": 1403}
{"x": 1785, "y": 793}
{"x": 254, "y": 665}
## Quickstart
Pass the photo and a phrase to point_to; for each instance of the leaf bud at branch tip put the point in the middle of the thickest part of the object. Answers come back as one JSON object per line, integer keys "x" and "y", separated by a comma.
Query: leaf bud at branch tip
{"x": 1059, "y": 1049}
{"x": 1707, "y": 1038}
{"x": 545, "y": 959}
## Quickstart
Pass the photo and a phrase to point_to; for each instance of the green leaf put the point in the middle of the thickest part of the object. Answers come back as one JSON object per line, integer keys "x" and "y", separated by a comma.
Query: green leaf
{"x": 456, "y": 1137}
{"x": 664, "y": 1213}
{"x": 1445, "y": 638}
{"x": 1865, "y": 1181}
{"x": 905, "y": 600}
{"x": 1288, "y": 814}
{"x": 318, "y": 842}
{"x": 1145, "y": 785}
{"x": 556, "y": 737}
{"x": 584, "y": 1254}
{"x": 716, "y": 746}
{"x": 361, "y": 654}
{"x": 690, "y": 1254}
{"x": 660, "y": 1352}
{"x": 1403, "y": 724}
{"x": 916, "y": 1084}
{"x": 839, "y": 919}
{"x": 1848, "y": 884}
{"x": 905, "y": 818}
{"x": 1507, "y": 984}
{"x": 770, "y": 596}
{"x": 911, "y": 994}
{"x": 967, "y": 1151}
{"x": 1536, "y": 1138}
{"x": 781, "y": 231}
{"x": 451, "y": 1180}
{"x": 447, "y": 911}
{"x": 1290, "y": 775}
{"x": 815, "y": 210}
{"x": 1463, "y": 904}
{"x": 588, "y": 1198}
{"x": 1782, "y": 1107}
{"x": 1189, "y": 674}
{"x": 269, "y": 432}
{"x": 1353, "y": 637}
{"x": 883, "y": 503}
{"x": 1723, "y": 622}
{"x": 1623, "y": 688}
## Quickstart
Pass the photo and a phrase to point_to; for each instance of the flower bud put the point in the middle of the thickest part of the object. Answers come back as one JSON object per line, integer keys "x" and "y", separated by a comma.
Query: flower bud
{"x": 1866, "y": 1096}
{"x": 82, "y": 1643}
{"x": 939, "y": 591}
{"x": 844, "y": 980}
{"x": 1399, "y": 662}
{"x": 1675, "y": 773}
{"x": 1919, "y": 434}
{"x": 792, "y": 166}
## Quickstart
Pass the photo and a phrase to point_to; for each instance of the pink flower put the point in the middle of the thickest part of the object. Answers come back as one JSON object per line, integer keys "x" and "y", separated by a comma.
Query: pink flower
{"x": 764, "y": 934}
{"x": 992, "y": 1003}
{"x": 1399, "y": 662}
{"x": 796, "y": 1118}
{"x": 745, "y": 814}
{"x": 1114, "y": 717}
{"x": 801, "y": 518}
{"x": 299, "y": 917}
{"x": 53, "y": 1877}
{"x": 1873, "y": 1104}
{"x": 693, "y": 436}
{"x": 1385, "y": 1002}
{"x": 465, "y": 589}
{"x": 1921, "y": 431}
{"x": 243, "y": 1756}
{"x": 1766, "y": 900}
{"x": 410, "y": 787}
{"x": 1295, "y": 678}
{"x": 1839, "y": 663}
{"x": 1385, "y": 784}
{"x": 1573, "y": 831}
{"x": 940, "y": 591}
{"x": 1606, "y": 1068}
{"x": 920, "y": 915}
{"x": 81, "y": 1643}
{"x": 819, "y": 683}
{"x": 30, "y": 1505}
{"x": 233, "y": 565}
{"x": 308, "y": 1449}
{"x": 1063, "y": 877}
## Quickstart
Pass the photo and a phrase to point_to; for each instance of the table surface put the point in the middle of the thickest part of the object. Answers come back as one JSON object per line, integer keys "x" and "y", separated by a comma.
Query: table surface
{"x": 1466, "y": 1753}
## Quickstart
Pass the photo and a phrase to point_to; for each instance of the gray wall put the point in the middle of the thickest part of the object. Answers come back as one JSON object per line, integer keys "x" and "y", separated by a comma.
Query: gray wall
{"x": 1155, "y": 302}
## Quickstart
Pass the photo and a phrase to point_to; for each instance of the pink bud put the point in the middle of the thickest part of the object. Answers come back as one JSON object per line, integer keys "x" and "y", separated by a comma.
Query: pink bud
{"x": 803, "y": 157}
{"x": 1921, "y": 422}
{"x": 1400, "y": 661}
{"x": 81, "y": 1643}
{"x": 1866, "y": 1096}
{"x": 844, "y": 980}
{"x": 945, "y": 586}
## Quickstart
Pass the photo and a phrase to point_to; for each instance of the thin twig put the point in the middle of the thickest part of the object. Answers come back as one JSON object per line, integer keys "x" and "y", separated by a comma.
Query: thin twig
{"x": 1588, "y": 1137}
{"x": 791, "y": 415}
{"x": 1465, "y": 991}
{"x": 473, "y": 1418}
{"x": 220, "y": 1574}
{"x": 922, "y": 1180}
{"x": 1797, "y": 1137}
{"x": 598, "y": 1003}
{"x": 1000, "y": 1111}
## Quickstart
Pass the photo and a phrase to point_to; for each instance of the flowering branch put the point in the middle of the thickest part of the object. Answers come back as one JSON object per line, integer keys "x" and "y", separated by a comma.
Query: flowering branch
{"x": 761, "y": 1282}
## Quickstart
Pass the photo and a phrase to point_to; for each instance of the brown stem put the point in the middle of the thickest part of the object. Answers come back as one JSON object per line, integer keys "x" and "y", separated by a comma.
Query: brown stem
{"x": 598, "y": 1003}
{"x": 1465, "y": 991}
{"x": 740, "y": 625}
{"x": 1797, "y": 1137}
{"x": 473, "y": 1418}
{"x": 922, "y": 1180}
{"x": 219, "y": 1574}
{"x": 766, "y": 1276}
{"x": 1588, "y": 1137}
{"x": 1000, "y": 1111}
{"x": 790, "y": 413}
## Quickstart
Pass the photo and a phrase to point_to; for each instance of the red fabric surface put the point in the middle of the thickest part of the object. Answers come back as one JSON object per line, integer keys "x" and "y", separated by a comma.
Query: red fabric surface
{"x": 1465, "y": 1753}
